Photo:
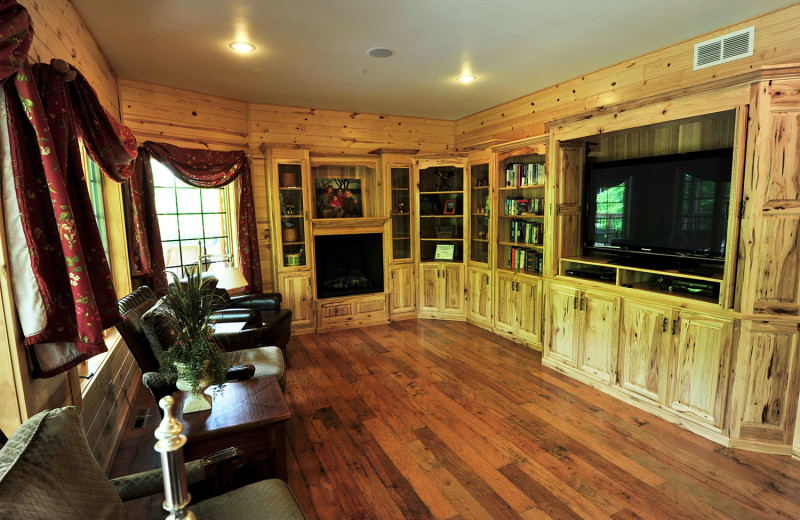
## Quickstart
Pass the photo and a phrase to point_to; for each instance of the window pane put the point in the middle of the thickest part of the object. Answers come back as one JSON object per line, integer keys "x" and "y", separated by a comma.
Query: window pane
{"x": 189, "y": 251}
{"x": 162, "y": 176}
{"x": 191, "y": 226}
{"x": 214, "y": 225}
{"x": 165, "y": 200}
{"x": 212, "y": 200}
{"x": 215, "y": 248}
{"x": 172, "y": 253}
{"x": 168, "y": 225}
{"x": 188, "y": 200}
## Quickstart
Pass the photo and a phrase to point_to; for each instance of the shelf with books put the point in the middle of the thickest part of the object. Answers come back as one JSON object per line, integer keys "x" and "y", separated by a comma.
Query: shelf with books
{"x": 521, "y": 204}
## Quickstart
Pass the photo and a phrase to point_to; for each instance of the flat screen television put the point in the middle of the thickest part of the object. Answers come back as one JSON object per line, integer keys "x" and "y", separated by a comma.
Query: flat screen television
{"x": 673, "y": 205}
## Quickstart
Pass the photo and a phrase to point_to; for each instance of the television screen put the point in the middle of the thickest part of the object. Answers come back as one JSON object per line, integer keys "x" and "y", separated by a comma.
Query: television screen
{"x": 671, "y": 205}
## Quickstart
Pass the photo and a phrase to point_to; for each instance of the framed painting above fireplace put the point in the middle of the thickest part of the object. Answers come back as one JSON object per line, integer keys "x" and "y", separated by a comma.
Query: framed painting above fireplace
{"x": 338, "y": 197}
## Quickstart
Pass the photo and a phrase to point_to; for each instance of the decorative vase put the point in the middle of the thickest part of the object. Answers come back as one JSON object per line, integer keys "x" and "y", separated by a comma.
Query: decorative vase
{"x": 196, "y": 400}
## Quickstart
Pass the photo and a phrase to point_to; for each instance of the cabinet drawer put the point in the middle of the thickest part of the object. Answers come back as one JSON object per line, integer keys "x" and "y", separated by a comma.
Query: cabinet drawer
{"x": 353, "y": 312}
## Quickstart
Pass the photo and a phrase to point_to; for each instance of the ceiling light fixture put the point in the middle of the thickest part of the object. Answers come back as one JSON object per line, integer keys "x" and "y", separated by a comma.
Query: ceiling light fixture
{"x": 242, "y": 46}
{"x": 380, "y": 52}
{"x": 466, "y": 78}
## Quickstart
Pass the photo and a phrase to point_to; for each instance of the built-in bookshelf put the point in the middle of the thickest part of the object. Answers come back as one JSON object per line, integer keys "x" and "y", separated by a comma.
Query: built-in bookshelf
{"x": 521, "y": 213}
{"x": 292, "y": 214}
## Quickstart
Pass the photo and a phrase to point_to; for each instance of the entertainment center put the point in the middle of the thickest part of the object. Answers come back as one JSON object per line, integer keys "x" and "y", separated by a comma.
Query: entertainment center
{"x": 649, "y": 251}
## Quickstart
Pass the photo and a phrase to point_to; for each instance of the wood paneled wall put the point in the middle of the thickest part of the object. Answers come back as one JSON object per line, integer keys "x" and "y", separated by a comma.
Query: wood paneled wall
{"x": 638, "y": 80}
{"x": 59, "y": 32}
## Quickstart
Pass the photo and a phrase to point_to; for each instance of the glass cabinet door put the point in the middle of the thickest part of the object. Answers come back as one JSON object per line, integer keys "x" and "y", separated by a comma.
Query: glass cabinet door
{"x": 479, "y": 229}
{"x": 401, "y": 213}
{"x": 441, "y": 214}
{"x": 290, "y": 193}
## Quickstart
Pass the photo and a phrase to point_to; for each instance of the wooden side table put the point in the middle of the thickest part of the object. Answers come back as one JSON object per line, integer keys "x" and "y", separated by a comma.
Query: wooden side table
{"x": 250, "y": 415}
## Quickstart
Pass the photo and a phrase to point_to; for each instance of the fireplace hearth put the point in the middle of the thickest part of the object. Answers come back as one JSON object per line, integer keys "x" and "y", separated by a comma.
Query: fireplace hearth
{"x": 348, "y": 265}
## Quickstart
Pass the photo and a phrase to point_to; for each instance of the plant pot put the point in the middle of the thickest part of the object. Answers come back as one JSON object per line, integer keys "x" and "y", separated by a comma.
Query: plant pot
{"x": 196, "y": 400}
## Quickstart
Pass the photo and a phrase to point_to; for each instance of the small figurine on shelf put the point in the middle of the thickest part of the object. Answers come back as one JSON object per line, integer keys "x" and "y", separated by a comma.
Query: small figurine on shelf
{"x": 482, "y": 234}
{"x": 443, "y": 176}
{"x": 290, "y": 208}
{"x": 401, "y": 207}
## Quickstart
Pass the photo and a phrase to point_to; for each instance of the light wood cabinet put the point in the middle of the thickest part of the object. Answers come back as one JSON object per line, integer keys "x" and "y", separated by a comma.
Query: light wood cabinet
{"x": 519, "y": 307}
{"x": 479, "y": 296}
{"x": 401, "y": 290}
{"x": 599, "y": 327}
{"x": 701, "y": 364}
{"x": 644, "y": 350}
{"x": 441, "y": 290}
{"x": 298, "y": 296}
{"x": 764, "y": 397}
{"x": 561, "y": 344}
{"x": 583, "y": 330}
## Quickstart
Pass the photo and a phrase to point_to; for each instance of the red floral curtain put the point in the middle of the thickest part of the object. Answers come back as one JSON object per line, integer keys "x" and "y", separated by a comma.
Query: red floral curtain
{"x": 202, "y": 169}
{"x": 62, "y": 248}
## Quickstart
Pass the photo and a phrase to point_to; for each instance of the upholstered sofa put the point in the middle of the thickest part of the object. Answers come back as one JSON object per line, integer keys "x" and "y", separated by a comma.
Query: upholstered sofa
{"x": 275, "y": 324}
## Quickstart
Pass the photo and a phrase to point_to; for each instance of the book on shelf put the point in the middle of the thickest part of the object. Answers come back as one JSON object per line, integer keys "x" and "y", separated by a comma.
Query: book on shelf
{"x": 525, "y": 260}
{"x": 525, "y": 232}
{"x": 521, "y": 175}
{"x": 523, "y": 206}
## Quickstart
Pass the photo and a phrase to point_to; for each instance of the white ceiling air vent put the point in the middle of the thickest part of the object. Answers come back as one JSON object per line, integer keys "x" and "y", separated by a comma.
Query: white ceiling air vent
{"x": 725, "y": 48}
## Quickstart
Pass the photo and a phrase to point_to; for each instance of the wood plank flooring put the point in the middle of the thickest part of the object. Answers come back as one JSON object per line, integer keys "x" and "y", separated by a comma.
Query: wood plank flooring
{"x": 442, "y": 420}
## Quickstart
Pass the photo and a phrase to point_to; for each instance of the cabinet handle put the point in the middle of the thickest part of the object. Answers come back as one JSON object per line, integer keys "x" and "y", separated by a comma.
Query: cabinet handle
{"x": 517, "y": 286}
{"x": 487, "y": 280}
{"x": 664, "y": 327}
{"x": 674, "y": 326}
{"x": 575, "y": 302}
{"x": 581, "y": 303}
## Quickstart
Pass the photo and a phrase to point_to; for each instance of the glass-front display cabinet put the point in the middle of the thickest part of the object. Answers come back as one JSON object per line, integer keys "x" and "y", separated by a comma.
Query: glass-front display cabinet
{"x": 480, "y": 228}
{"x": 400, "y": 211}
{"x": 292, "y": 214}
{"x": 441, "y": 214}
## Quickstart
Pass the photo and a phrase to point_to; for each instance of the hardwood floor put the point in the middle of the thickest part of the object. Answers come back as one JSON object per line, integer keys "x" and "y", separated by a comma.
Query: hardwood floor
{"x": 443, "y": 420}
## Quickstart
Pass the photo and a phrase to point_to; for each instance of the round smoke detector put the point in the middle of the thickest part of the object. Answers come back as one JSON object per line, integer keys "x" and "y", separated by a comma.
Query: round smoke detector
{"x": 380, "y": 52}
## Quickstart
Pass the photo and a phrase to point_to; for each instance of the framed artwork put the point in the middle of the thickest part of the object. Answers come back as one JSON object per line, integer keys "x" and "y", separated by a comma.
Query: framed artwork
{"x": 444, "y": 251}
{"x": 338, "y": 198}
{"x": 450, "y": 207}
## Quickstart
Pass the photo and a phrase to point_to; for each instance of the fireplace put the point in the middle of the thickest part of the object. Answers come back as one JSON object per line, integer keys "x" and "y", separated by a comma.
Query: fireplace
{"x": 347, "y": 265}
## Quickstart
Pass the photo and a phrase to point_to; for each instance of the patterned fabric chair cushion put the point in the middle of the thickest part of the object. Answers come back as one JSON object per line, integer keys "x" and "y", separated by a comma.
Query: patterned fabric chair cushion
{"x": 268, "y": 499}
{"x": 48, "y": 471}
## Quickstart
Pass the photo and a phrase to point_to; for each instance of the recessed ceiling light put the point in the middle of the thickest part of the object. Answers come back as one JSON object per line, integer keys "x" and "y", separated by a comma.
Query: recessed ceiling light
{"x": 380, "y": 52}
{"x": 467, "y": 78}
{"x": 242, "y": 46}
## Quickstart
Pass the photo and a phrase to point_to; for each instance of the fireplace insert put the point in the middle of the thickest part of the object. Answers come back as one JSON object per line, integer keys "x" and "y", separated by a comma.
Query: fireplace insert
{"x": 349, "y": 264}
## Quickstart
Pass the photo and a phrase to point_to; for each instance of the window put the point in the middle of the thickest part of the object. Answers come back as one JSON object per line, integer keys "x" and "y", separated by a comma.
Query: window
{"x": 193, "y": 221}
{"x": 94, "y": 180}
{"x": 610, "y": 212}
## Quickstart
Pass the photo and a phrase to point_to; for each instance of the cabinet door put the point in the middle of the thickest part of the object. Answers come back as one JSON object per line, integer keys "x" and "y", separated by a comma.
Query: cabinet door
{"x": 504, "y": 314}
{"x": 701, "y": 364}
{"x": 529, "y": 309}
{"x": 480, "y": 296}
{"x": 563, "y": 334}
{"x": 452, "y": 287}
{"x": 644, "y": 349}
{"x": 600, "y": 328}
{"x": 763, "y": 400}
{"x": 402, "y": 289}
{"x": 429, "y": 283}
{"x": 296, "y": 291}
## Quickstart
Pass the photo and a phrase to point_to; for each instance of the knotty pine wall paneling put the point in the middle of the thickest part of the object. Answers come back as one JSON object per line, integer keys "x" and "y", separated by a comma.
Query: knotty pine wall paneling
{"x": 665, "y": 74}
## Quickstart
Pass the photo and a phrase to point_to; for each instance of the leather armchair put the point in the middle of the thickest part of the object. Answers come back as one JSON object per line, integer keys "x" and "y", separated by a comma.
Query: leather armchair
{"x": 275, "y": 323}
{"x": 243, "y": 347}
{"x": 48, "y": 471}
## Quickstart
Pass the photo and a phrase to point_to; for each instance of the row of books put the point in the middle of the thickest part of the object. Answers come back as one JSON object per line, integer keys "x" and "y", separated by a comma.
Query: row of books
{"x": 521, "y": 175}
{"x": 526, "y": 232}
{"x": 523, "y": 206}
{"x": 525, "y": 260}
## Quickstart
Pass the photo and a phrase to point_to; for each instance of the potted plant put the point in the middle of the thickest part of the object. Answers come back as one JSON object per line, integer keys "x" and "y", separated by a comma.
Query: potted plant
{"x": 193, "y": 360}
